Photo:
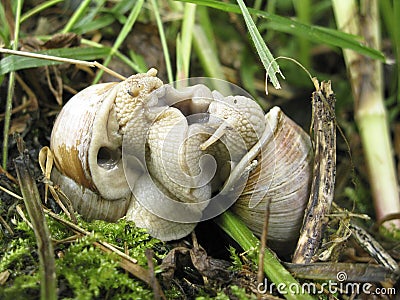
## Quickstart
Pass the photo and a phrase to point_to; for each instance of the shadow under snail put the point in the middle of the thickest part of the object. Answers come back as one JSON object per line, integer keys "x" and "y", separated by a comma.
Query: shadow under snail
{"x": 160, "y": 156}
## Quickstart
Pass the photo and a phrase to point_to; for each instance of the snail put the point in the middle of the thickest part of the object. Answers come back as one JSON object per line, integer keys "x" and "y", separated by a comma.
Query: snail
{"x": 168, "y": 158}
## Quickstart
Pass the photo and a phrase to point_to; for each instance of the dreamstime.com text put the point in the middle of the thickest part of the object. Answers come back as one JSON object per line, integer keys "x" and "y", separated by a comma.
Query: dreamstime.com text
{"x": 340, "y": 286}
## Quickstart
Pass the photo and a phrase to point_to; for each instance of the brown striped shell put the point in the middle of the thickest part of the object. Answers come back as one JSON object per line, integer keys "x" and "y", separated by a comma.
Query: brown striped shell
{"x": 87, "y": 151}
{"x": 281, "y": 177}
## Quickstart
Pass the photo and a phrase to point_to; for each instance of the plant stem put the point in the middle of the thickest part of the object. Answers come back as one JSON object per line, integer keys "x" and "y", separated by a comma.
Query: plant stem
{"x": 7, "y": 117}
{"x": 303, "y": 11}
{"x": 370, "y": 112}
{"x": 205, "y": 51}
{"x": 38, "y": 9}
{"x": 163, "y": 40}
{"x": 118, "y": 54}
{"x": 10, "y": 91}
{"x": 76, "y": 16}
{"x": 184, "y": 43}
{"x": 121, "y": 36}
{"x": 232, "y": 225}
{"x": 205, "y": 22}
{"x": 30, "y": 193}
{"x": 391, "y": 17}
{"x": 323, "y": 175}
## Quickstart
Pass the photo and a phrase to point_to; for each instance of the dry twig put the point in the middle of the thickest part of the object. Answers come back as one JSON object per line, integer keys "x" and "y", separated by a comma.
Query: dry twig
{"x": 323, "y": 184}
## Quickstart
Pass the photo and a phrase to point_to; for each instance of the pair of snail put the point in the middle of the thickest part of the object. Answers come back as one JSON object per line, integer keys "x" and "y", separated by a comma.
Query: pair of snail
{"x": 169, "y": 158}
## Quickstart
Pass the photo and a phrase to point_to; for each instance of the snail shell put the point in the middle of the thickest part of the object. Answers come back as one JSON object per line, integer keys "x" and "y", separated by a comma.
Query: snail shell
{"x": 91, "y": 131}
{"x": 281, "y": 178}
{"x": 87, "y": 151}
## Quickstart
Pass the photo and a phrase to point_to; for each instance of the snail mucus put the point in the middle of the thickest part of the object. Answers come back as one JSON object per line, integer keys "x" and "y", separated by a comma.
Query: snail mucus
{"x": 167, "y": 158}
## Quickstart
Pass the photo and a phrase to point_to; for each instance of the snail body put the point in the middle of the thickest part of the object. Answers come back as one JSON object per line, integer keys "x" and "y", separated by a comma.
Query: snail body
{"x": 158, "y": 156}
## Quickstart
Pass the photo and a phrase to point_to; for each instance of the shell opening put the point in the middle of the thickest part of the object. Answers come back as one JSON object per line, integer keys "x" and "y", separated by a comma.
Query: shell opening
{"x": 108, "y": 158}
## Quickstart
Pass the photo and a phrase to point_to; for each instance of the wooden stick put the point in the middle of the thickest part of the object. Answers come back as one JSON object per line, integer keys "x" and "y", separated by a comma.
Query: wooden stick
{"x": 45, "y": 248}
{"x": 64, "y": 60}
{"x": 323, "y": 184}
{"x": 355, "y": 272}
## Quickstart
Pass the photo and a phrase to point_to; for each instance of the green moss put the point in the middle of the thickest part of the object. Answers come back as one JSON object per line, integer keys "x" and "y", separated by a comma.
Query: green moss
{"x": 91, "y": 274}
{"x": 83, "y": 271}
{"x": 23, "y": 287}
{"x": 14, "y": 254}
{"x": 235, "y": 259}
{"x": 20, "y": 259}
{"x": 125, "y": 235}
{"x": 390, "y": 232}
{"x": 174, "y": 292}
{"x": 220, "y": 296}
{"x": 240, "y": 293}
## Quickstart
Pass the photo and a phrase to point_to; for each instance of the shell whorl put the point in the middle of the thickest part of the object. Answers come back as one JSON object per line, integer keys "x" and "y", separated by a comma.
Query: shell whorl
{"x": 282, "y": 178}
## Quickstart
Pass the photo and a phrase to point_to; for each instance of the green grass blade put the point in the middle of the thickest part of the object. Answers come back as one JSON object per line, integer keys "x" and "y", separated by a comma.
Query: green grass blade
{"x": 206, "y": 52}
{"x": 387, "y": 11}
{"x": 185, "y": 42}
{"x": 135, "y": 67}
{"x": 4, "y": 28}
{"x": 207, "y": 27}
{"x": 270, "y": 65}
{"x": 76, "y": 16}
{"x": 121, "y": 8}
{"x": 38, "y": 9}
{"x": 303, "y": 12}
{"x": 14, "y": 63}
{"x": 314, "y": 33}
{"x": 10, "y": 92}
{"x": 7, "y": 118}
{"x": 275, "y": 271}
{"x": 94, "y": 18}
{"x": 97, "y": 24}
{"x": 396, "y": 41}
{"x": 163, "y": 41}
{"x": 122, "y": 35}
{"x": 390, "y": 14}
{"x": 209, "y": 58}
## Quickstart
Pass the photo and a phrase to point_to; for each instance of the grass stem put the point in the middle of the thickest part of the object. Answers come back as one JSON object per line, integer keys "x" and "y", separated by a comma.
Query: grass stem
{"x": 205, "y": 51}
{"x": 30, "y": 193}
{"x": 275, "y": 271}
{"x": 11, "y": 84}
{"x": 184, "y": 43}
{"x": 38, "y": 9}
{"x": 121, "y": 36}
{"x": 370, "y": 112}
{"x": 303, "y": 11}
{"x": 76, "y": 16}
{"x": 163, "y": 40}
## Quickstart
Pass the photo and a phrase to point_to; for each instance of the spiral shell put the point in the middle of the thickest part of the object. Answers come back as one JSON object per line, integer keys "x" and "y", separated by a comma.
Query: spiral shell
{"x": 280, "y": 179}
{"x": 87, "y": 153}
